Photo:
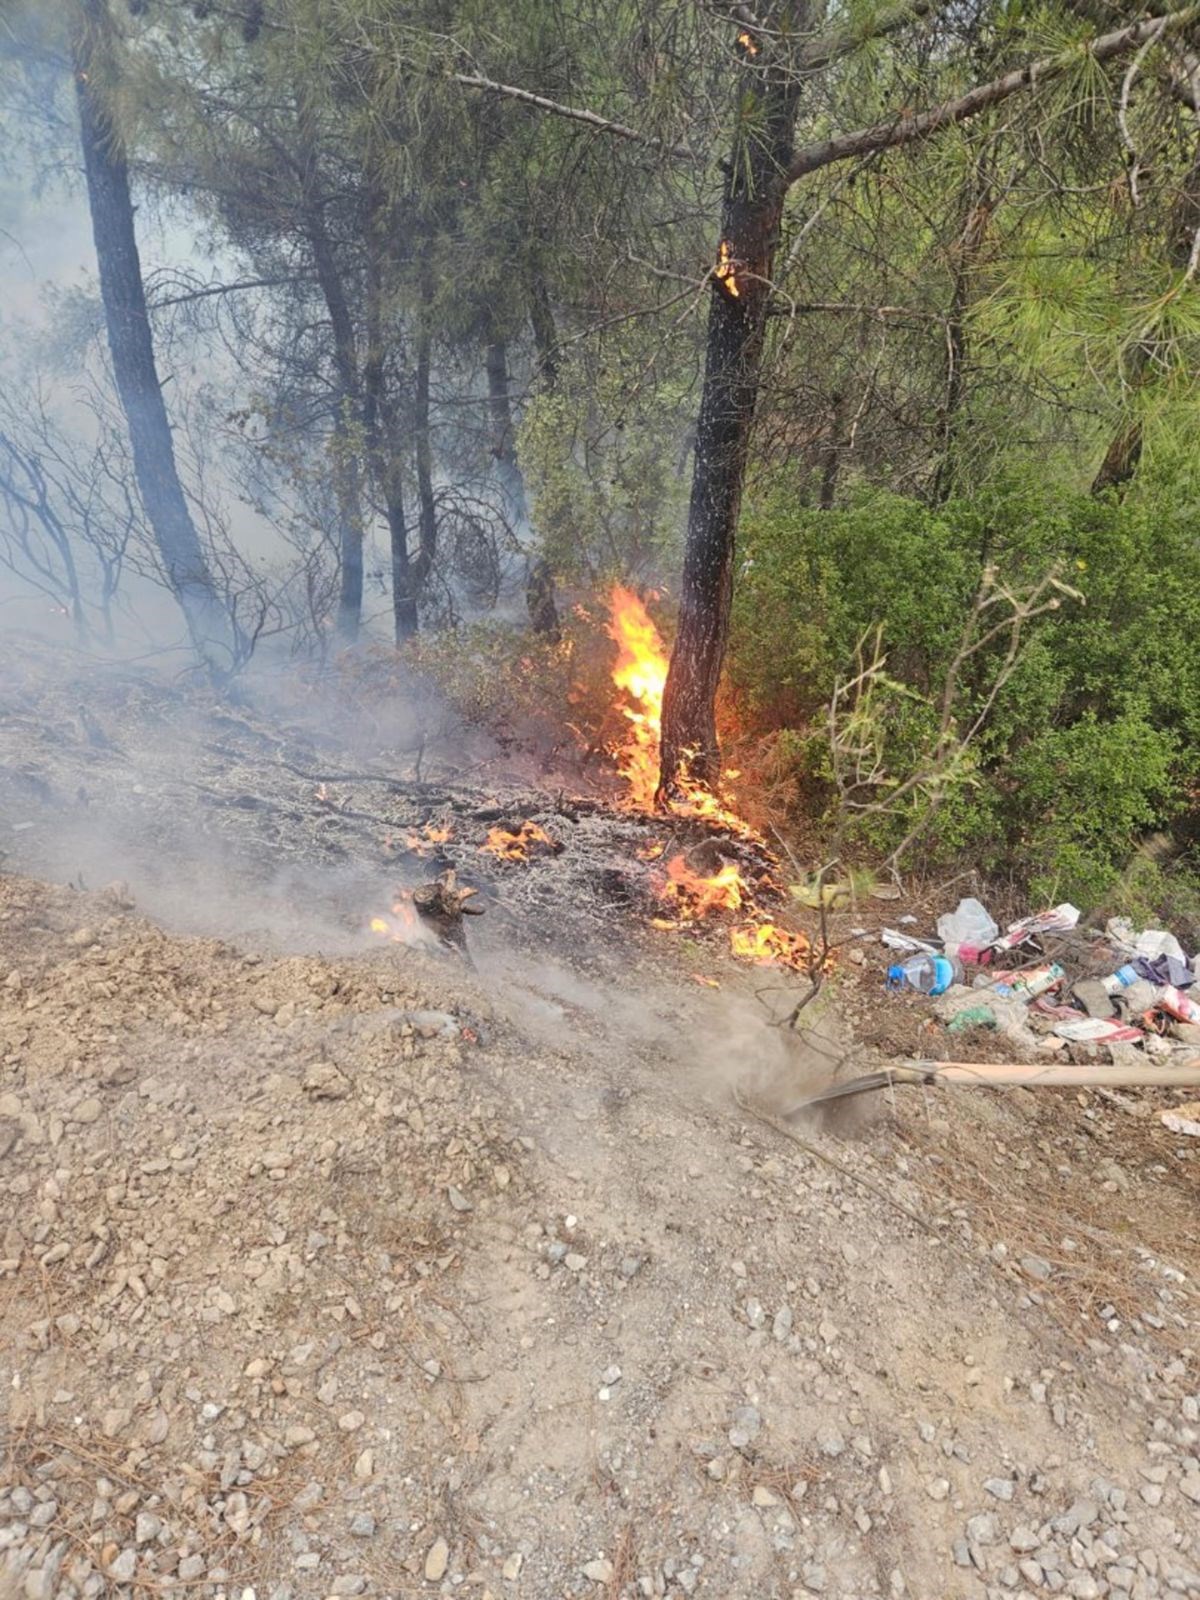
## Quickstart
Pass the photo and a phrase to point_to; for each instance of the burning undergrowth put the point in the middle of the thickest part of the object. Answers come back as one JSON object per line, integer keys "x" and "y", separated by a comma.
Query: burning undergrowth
{"x": 705, "y": 868}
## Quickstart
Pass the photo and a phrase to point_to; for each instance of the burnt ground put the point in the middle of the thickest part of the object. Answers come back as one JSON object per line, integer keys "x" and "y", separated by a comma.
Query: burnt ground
{"x": 330, "y": 1266}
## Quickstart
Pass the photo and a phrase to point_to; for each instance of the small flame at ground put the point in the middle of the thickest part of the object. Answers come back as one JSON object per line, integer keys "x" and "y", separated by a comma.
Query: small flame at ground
{"x": 769, "y": 946}
{"x": 746, "y": 40}
{"x": 427, "y": 841}
{"x": 402, "y": 926}
{"x": 695, "y": 895}
{"x": 510, "y": 846}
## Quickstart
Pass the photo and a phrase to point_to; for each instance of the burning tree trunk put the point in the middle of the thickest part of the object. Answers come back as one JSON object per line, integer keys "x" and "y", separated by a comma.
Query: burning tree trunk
{"x": 756, "y": 183}
{"x": 131, "y": 345}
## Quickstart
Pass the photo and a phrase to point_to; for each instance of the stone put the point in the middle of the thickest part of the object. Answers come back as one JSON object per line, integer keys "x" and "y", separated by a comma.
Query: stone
{"x": 458, "y": 1199}
{"x": 937, "y": 1488}
{"x": 351, "y": 1421}
{"x": 437, "y": 1559}
{"x": 746, "y": 1426}
{"x": 574, "y": 1262}
{"x": 999, "y": 1488}
{"x": 599, "y": 1571}
{"x": 830, "y": 1443}
{"x": 191, "y": 1568}
{"x": 511, "y": 1569}
{"x": 1036, "y": 1267}
{"x": 983, "y": 1528}
{"x": 1190, "y": 1487}
{"x": 87, "y": 1111}
{"x": 363, "y": 1526}
{"x": 323, "y": 1081}
{"x": 763, "y": 1496}
{"x": 148, "y": 1527}
{"x": 122, "y": 1569}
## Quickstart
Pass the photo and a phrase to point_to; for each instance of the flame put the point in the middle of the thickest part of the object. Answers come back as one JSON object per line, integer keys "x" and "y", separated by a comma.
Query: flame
{"x": 724, "y": 271}
{"x": 746, "y": 40}
{"x": 695, "y": 896}
{"x": 709, "y": 983}
{"x": 769, "y": 946}
{"x": 641, "y": 671}
{"x": 510, "y": 846}
{"x": 402, "y": 925}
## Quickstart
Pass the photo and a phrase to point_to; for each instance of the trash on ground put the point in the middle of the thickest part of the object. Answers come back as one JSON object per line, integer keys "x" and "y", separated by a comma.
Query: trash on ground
{"x": 1054, "y": 995}
{"x": 1183, "y": 1119}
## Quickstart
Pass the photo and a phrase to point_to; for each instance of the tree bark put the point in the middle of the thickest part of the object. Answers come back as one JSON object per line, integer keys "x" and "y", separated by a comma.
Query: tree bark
{"x": 426, "y": 499}
{"x": 379, "y": 425}
{"x": 542, "y": 326}
{"x": 508, "y": 472}
{"x": 967, "y": 250}
{"x": 756, "y": 183}
{"x": 131, "y": 346}
{"x": 347, "y": 475}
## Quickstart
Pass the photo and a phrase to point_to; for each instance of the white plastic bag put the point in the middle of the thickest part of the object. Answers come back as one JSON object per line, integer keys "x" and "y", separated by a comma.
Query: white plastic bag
{"x": 969, "y": 924}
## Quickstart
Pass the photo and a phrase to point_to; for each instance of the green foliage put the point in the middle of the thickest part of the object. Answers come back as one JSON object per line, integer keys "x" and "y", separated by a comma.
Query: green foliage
{"x": 1095, "y": 737}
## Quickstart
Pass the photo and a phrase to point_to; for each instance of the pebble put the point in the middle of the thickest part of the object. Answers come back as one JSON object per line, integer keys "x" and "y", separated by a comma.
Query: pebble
{"x": 511, "y": 1569}
{"x": 574, "y": 1262}
{"x": 436, "y": 1561}
{"x": 937, "y": 1488}
{"x": 1036, "y": 1267}
{"x": 746, "y": 1426}
{"x": 599, "y": 1571}
{"x": 87, "y": 1111}
{"x": 830, "y": 1443}
{"x": 363, "y": 1526}
{"x": 999, "y": 1488}
{"x": 1190, "y": 1486}
{"x": 123, "y": 1568}
{"x": 351, "y": 1421}
{"x": 148, "y": 1527}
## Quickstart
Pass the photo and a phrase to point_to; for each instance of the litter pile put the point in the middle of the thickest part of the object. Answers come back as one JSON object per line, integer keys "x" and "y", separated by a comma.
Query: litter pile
{"x": 1050, "y": 986}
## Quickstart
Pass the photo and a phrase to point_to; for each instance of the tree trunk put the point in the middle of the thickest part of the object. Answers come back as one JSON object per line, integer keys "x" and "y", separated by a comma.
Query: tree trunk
{"x": 542, "y": 326}
{"x": 131, "y": 345}
{"x": 756, "y": 183}
{"x": 426, "y": 501}
{"x": 508, "y": 473}
{"x": 967, "y": 251}
{"x": 379, "y": 425}
{"x": 348, "y": 485}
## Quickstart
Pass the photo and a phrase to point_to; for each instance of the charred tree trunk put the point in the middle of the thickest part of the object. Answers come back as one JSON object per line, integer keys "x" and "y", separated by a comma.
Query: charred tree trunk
{"x": 131, "y": 345}
{"x": 503, "y": 446}
{"x": 1124, "y": 452}
{"x": 756, "y": 184}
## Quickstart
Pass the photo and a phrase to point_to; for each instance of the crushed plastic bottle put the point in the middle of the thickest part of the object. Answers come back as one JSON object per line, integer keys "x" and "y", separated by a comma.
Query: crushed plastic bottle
{"x": 1120, "y": 979}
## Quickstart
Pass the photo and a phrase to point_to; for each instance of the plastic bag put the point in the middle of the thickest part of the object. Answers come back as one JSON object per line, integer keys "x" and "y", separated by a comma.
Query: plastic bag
{"x": 968, "y": 924}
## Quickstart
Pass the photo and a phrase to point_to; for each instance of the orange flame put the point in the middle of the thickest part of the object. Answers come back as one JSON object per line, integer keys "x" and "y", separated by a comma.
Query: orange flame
{"x": 510, "y": 846}
{"x": 427, "y": 841}
{"x": 641, "y": 670}
{"x": 724, "y": 271}
{"x": 695, "y": 896}
{"x": 769, "y": 946}
{"x": 402, "y": 925}
{"x": 746, "y": 40}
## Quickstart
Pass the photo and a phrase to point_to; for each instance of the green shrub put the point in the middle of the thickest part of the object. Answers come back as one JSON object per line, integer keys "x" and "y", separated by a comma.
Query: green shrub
{"x": 1093, "y": 740}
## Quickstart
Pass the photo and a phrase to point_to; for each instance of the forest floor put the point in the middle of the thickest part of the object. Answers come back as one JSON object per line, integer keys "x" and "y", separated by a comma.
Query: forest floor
{"x": 336, "y": 1267}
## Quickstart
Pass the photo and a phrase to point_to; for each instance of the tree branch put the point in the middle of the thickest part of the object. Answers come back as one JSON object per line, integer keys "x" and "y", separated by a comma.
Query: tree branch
{"x": 904, "y": 130}
{"x": 828, "y": 47}
{"x": 590, "y": 119}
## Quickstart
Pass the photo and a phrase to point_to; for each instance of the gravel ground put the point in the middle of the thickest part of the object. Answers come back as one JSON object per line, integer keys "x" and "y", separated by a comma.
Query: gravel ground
{"x": 332, "y": 1269}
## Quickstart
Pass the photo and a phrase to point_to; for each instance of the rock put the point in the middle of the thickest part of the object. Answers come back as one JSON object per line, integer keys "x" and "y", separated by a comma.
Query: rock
{"x": 631, "y": 1266}
{"x": 999, "y": 1488}
{"x": 437, "y": 1559}
{"x": 458, "y": 1199}
{"x": 611, "y": 1375}
{"x": 351, "y": 1421}
{"x": 363, "y": 1526}
{"x": 122, "y": 1569}
{"x": 511, "y": 1569}
{"x": 830, "y": 1443}
{"x": 87, "y": 1111}
{"x": 323, "y": 1081}
{"x": 782, "y": 1325}
{"x": 349, "y": 1583}
{"x": 984, "y": 1528}
{"x": 364, "y": 1467}
{"x": 746, "y": 1426}
{"x": 716, "y": 1469}
{"x": 599, "y": 1571}
{"x": 574, "y": 1262}
{"x": 191, "y": 1568}
{"x": 937, "y": 1488}
{"x": 148, "y": 1527}
{"x": 763, "y": 1496}
{"x": 1190, "y": 1487}
{"x": 1036, "y": 1267}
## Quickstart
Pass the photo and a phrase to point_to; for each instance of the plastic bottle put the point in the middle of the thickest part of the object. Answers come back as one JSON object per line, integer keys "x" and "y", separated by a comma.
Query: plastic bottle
{"x": 1121, "y": 979}
{"x": 930, "y": 974}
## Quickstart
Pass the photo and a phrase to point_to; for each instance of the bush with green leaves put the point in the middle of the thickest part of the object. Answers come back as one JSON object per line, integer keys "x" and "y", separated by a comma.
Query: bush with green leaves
{"x": 1094, "y": 739}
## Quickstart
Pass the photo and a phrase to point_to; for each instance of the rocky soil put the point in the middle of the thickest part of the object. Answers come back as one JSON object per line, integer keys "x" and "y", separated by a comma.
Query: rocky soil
{"x": 337, "y": 1268}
